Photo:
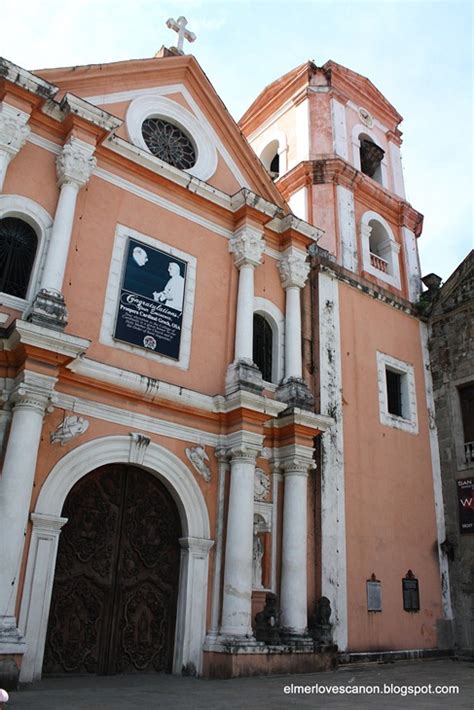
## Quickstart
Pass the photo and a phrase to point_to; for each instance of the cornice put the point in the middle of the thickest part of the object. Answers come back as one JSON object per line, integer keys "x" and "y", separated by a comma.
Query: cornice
{"x": 26, "y": 80}
{"x": 335, "y": 170}
{"x": 25, "y": 333}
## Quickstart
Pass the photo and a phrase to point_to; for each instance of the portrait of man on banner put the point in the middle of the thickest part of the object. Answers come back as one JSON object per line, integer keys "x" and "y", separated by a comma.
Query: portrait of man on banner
{"x": 151, "y": 301}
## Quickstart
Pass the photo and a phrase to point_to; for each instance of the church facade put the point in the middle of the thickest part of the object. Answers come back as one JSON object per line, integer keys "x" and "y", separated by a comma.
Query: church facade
{"x": 207, "y": 398}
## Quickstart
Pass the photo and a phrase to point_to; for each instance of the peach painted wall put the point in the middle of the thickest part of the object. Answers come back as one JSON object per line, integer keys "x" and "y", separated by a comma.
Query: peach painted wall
{"x": 321, "y": 125}
{"x": 390, "y": 518}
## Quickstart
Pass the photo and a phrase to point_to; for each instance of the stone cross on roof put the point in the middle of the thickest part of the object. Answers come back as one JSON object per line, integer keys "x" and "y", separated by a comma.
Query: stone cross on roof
{"x": 179, "y": 26}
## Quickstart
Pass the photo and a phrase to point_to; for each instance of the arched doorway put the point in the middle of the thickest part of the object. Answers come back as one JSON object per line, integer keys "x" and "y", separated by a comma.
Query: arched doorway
{"x": 113, "y": 607}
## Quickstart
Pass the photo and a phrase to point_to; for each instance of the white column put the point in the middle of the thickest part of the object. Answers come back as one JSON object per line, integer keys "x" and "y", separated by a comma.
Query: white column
{"x": 13, "y": 134}
{"x": 294, "y": 271}
{"x": 74, "y": 167}
{"x": 293, "y": 592}
{"x": 237, "y": 594}
{"x": 30, "y": 400}
{"x": 36, "y": 597}
{"x": 247, "y": 245}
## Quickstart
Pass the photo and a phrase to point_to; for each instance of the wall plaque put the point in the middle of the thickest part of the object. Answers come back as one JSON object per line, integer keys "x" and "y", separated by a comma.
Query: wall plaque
{"x": 150, "y": 310}
{"x": 374, "y": 595}
{"x": 466, "y": 505}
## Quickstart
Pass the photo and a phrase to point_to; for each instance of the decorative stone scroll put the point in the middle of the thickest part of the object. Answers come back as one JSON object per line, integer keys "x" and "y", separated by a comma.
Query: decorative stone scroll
{"x": 261, "y": 485}
{"x": 199, "y": 459}
{"x": 70, "y": 428}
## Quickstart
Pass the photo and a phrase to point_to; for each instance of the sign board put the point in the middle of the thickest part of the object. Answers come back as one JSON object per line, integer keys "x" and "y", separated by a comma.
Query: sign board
{"x": 466, "y": 505}
{"x": 150, "y": 310}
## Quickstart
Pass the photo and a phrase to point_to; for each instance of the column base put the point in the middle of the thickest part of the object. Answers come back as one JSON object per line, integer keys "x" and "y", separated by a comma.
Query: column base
{"x": 12, "y": 648}
{"x": 295, "y": 393}
{"x": 48, "y": 310}
{"x": 243, "y": 375}
{"x": 295, "y": 639}
{"x": 227, "y": 643}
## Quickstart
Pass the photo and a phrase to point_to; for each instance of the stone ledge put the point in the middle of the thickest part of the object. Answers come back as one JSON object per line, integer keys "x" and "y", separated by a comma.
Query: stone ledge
{"x": 390, "y": 656}
{"x": 266, "y": 660}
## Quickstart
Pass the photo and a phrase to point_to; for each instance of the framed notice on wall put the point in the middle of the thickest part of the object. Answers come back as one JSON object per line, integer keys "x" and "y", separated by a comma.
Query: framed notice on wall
{"x": 466, "y": 505}
{"x": 150, "y": 308}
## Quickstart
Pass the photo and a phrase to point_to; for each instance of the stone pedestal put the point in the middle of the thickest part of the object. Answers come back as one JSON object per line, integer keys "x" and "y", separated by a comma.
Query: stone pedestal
{"x": 295, "y": 393}
{"x": 48, "y": 310}
{"x": 243, "y": 375}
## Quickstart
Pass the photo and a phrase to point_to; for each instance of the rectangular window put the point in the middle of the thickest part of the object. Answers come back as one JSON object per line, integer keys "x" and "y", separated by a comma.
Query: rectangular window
{"x": 411, "y": 594}
{"x": 394, "y": 392}
{"x": 397, "y": 393}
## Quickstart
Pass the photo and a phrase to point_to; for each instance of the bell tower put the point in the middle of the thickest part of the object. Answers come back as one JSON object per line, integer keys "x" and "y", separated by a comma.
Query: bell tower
{"x": 331, "y": 142}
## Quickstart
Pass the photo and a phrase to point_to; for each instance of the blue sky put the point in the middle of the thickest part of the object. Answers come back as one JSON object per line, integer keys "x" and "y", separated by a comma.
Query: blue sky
{"x": 418, "y": 54}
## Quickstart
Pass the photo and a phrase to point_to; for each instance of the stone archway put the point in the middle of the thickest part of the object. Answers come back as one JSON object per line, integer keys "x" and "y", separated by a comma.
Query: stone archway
{"x": 47, "y": 523}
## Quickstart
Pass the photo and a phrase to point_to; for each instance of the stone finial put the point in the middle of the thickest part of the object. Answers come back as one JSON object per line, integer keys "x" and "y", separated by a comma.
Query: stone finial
{"x": 75, "y": 163}
{"x": 294, "y": 269}
{"x": 247, "y": 245}
{"x": 179, "y": 26}
{"x": 13, "y": 129}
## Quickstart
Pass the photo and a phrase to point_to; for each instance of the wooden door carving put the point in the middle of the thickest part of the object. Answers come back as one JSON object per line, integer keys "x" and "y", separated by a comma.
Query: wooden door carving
{"x": 113, "y": 606}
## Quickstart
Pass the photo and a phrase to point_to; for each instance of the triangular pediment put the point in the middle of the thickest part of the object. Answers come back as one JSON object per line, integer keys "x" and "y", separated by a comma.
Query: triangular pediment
{"x": 174, "y": 87}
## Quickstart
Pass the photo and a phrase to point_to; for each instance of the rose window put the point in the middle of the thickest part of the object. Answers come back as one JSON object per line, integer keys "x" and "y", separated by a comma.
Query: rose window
{"x": 169, "y": 143}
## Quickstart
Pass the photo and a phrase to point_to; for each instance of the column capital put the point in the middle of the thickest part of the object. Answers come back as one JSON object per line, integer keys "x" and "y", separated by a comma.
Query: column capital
{"x": 293, "y": 268}
{"x": 74, "y": 165}
{"x": 244, "y": 445}
{"x": 13, "y": 129}
{"x": 247, "y": 245}
{"x": 296, "y": 460}
{"x": 33, "y": 392}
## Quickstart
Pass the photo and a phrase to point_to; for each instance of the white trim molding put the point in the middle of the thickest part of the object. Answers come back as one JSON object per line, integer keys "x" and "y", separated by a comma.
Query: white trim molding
{"x": 156, "y": 106}
{"x": 333, "y": 515}
{"x": 388, "y": 250}
{"x": 409, "y": 420}
{"x": 192, "y": 592}
{"x": 112, "y": 297}
{"x": 41, "y": 221}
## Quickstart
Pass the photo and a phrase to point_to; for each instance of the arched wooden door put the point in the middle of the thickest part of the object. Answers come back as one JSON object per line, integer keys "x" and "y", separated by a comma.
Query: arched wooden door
{"x": 113, "y": 608}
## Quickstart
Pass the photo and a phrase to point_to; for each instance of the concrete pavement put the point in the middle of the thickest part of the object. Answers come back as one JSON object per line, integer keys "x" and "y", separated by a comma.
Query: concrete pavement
{"x": 143, "y": 692}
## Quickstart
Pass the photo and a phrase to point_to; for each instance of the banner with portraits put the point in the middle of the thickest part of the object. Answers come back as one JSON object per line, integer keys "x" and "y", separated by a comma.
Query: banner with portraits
{"x": 150, "y": 311}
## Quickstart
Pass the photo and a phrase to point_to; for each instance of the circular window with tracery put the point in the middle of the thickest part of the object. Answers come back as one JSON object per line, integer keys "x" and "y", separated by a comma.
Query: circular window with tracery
{"x": 169, "y": 143}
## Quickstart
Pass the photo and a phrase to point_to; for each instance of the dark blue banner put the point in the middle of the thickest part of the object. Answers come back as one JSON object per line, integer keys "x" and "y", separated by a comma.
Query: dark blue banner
{"x": 150, "y": 311}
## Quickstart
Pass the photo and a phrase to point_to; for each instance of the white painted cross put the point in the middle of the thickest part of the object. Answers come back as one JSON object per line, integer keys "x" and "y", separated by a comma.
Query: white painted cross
{"x": 179, "y": 26}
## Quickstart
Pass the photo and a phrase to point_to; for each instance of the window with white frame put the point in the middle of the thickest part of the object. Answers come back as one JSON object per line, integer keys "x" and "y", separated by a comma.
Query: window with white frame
{"x": 397, "y": 395}
{"x": 171, "y": 133}
{"x": 380, "y": 250}
{"x": 25, "y": 229}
